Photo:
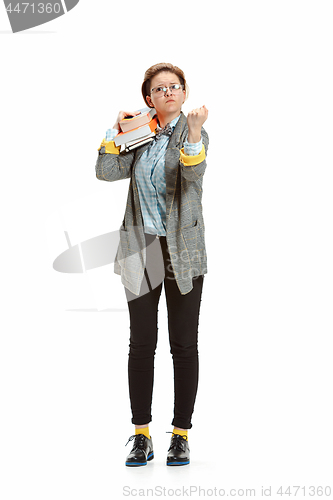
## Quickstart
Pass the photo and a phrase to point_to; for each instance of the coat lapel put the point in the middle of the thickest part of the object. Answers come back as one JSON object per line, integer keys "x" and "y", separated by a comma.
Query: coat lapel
{"x": 172, "y": 164}
{"x": 175, "y": 138}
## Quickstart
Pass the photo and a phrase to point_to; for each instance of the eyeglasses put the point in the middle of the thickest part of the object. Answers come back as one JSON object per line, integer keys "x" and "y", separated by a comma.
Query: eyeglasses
{"x": 176, "y": 88}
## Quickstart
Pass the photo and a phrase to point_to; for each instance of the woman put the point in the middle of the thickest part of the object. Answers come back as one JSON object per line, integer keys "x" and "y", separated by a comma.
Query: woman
{"x": 164, "y": 225}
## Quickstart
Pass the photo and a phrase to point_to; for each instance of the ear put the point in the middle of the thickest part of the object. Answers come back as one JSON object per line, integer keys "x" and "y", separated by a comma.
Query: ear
{"x": 149, "y": 101}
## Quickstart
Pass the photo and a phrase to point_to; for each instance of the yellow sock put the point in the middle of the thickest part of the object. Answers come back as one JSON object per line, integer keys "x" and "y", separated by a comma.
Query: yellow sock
{"x": 181, "y": 433}
{"x": 143, "y": 430}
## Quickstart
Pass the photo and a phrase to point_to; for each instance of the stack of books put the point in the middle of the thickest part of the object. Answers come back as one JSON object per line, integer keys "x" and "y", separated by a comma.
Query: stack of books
{"x": 137, "y": 130}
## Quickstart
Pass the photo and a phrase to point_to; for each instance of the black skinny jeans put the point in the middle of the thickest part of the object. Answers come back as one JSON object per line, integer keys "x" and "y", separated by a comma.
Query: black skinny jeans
{"x": 183, "y": 320}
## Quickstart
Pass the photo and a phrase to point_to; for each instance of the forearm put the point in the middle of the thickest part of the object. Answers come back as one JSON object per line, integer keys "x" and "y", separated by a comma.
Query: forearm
{"x": 193, "y": 158}
{"x": 194, "y": 135}
{"x": 112, "y": 165}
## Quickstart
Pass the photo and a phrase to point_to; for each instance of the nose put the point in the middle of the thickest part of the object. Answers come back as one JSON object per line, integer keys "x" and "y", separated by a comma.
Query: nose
{"x": 168, "y": 91}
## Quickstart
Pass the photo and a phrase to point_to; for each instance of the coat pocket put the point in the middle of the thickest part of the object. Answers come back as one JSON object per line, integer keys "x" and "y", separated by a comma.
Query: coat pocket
{"x": 194, "y": 242}
{"x": 131, "y": 250}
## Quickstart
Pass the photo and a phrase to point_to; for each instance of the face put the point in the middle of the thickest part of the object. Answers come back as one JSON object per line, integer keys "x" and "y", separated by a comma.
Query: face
{"x": 167, "y": 103}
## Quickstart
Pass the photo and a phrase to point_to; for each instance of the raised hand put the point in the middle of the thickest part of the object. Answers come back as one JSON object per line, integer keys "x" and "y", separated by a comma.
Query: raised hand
{"x": 195, "y": 119}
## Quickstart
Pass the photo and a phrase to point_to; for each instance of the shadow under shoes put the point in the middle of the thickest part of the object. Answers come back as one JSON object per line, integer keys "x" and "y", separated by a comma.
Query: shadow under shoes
{"x": 141, "y": 452}
{"x": 179, "y": 451}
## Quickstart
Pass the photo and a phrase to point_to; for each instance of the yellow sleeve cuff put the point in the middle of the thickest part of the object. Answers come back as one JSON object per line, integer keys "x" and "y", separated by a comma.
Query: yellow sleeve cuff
{"x": 188, "y": 161}
{"x": 110, "y": 147}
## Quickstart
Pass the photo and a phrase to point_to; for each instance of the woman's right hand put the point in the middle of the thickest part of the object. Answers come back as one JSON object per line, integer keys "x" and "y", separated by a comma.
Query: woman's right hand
{"x": 122, "y": 115}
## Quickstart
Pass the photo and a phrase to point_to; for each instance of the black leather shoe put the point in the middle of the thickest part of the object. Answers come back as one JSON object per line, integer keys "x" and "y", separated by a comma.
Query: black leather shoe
{"x": 179, "y": 451}
{"x": 142, "y": 450}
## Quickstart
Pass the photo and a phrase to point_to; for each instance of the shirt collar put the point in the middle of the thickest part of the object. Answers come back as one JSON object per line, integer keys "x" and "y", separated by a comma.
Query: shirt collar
{"x": 174, "y": 122}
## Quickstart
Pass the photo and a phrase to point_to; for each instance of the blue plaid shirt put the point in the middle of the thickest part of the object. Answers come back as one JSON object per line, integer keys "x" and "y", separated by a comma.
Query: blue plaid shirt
{"x": 150, "y": 179}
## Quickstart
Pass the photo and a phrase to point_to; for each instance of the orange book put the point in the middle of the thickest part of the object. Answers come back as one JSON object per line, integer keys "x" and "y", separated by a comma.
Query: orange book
{"x": 137, "y": 133}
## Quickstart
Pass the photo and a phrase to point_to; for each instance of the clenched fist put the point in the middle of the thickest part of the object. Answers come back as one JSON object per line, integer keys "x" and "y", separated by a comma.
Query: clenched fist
{"x": 195, "y": 119}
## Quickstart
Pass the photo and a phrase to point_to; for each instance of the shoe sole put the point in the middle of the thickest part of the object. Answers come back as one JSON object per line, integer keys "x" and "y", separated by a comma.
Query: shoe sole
{"x": 137, "y": 464}
{"x": 186, "y": 462}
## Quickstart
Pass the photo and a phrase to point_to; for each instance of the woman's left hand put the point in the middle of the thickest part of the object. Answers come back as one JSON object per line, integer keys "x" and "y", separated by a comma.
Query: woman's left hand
{"x": 195, "y": 119}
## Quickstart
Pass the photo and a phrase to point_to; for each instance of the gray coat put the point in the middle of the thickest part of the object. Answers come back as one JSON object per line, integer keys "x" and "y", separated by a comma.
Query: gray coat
{"x": 185, "y": 230}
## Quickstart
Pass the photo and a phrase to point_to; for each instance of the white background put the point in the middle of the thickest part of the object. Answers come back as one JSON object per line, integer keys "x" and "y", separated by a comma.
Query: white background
{"x": 263, "y": 414}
